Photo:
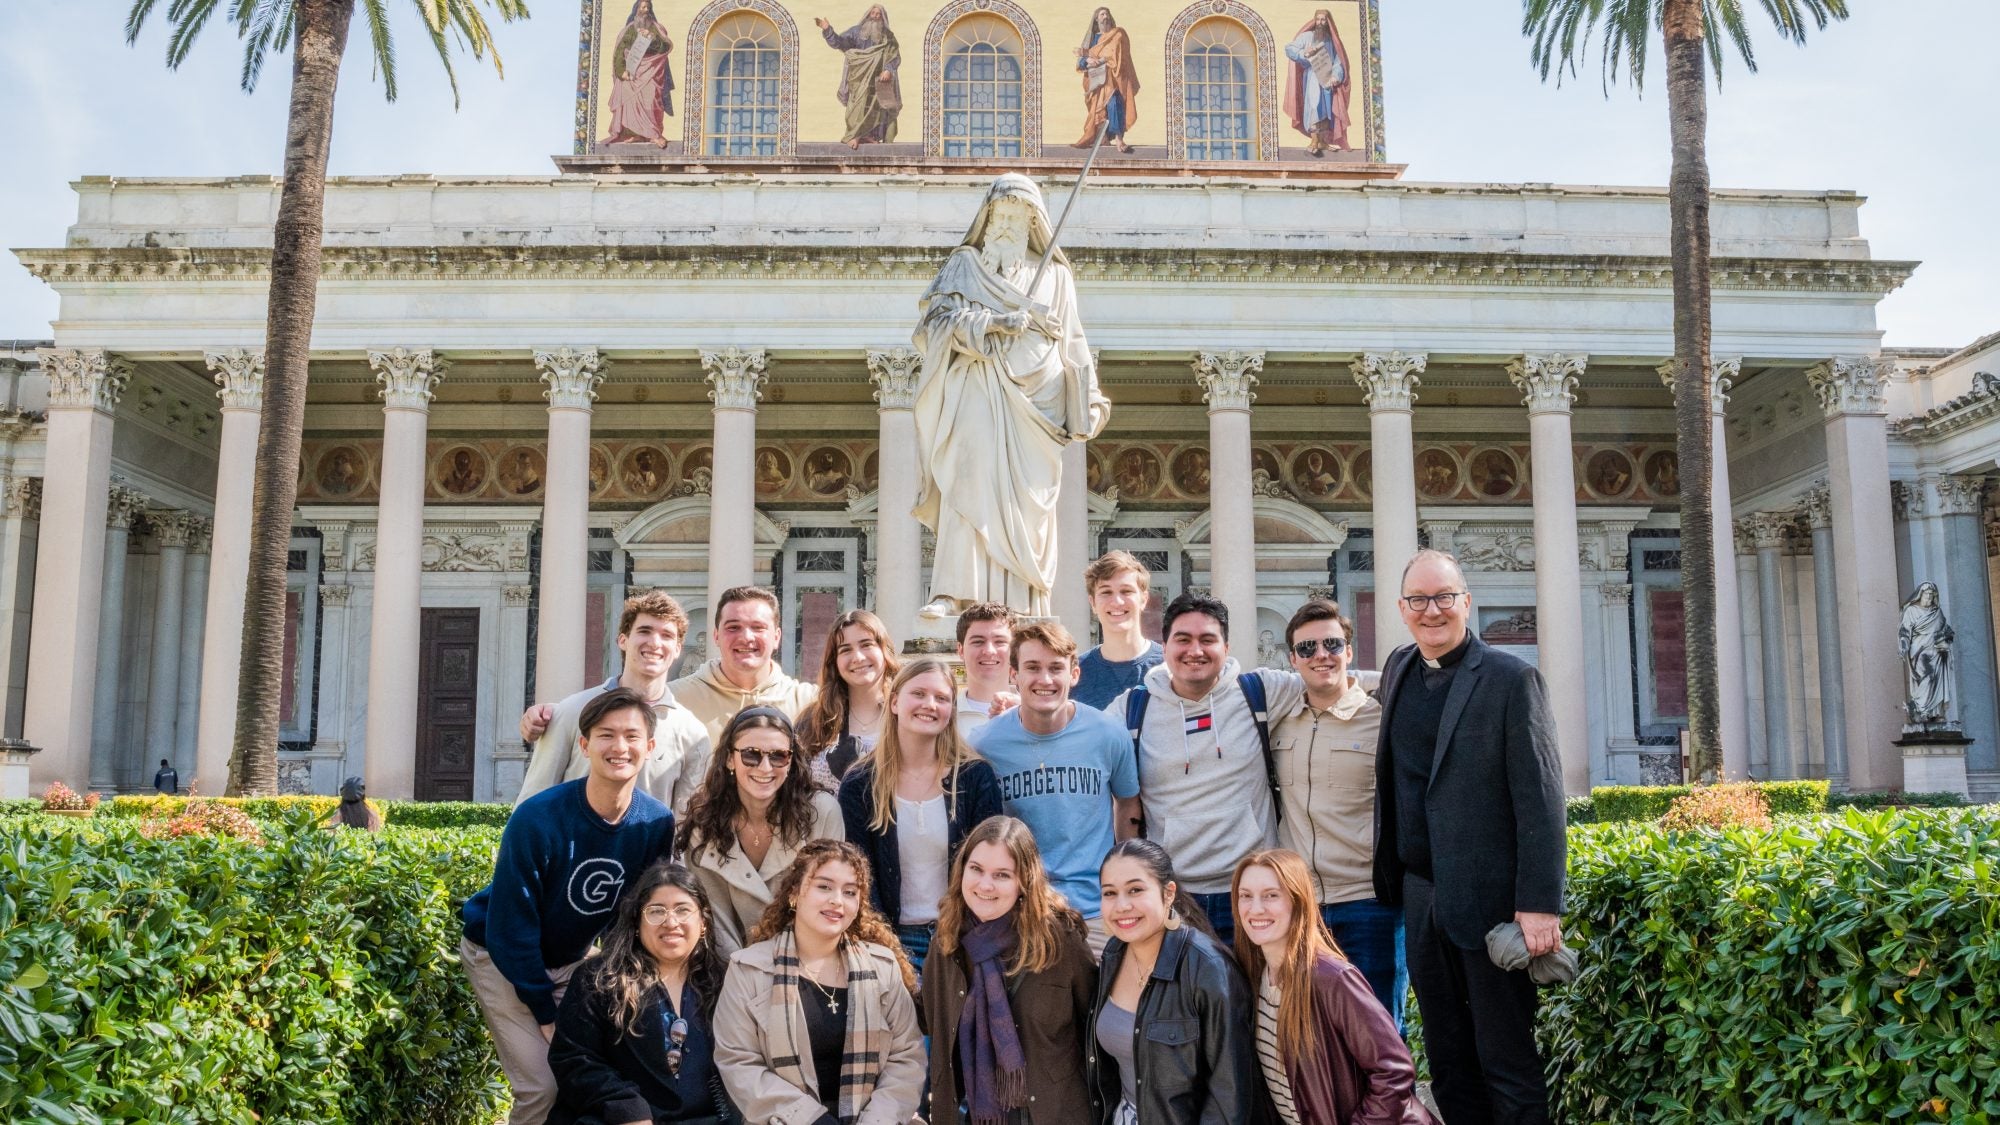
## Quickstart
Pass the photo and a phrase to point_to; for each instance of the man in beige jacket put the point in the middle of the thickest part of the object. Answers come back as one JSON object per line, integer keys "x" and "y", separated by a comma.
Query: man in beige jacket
{"x": 742, "y": 673}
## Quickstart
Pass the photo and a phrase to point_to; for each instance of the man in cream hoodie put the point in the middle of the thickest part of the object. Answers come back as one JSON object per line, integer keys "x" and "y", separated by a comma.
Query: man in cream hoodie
{"x": 742, "y": 674}
{"x": 1204, "y": 781}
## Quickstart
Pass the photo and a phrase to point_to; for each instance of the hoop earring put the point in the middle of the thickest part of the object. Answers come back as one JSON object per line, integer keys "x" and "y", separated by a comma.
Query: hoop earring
{"x": 1173, "y": 920}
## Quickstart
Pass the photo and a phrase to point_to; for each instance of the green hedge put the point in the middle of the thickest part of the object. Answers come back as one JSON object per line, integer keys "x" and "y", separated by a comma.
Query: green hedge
{"x": 139, "y": 806}
{"x": 310, "y": 980}
{"x": 446, "y": 814}
{"x": 1896, "y": 800}
{"x": 20, "y": 806}
{"x": 1612, "y": 803}
{"x": 1844, "y": 968}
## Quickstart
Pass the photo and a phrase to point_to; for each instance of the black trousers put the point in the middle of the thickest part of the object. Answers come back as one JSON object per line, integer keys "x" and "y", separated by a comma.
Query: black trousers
{"x": 1479, "y": 1024}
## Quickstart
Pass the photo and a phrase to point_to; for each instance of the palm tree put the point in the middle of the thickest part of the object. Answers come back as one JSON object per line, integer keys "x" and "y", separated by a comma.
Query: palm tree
{"x": 1693, "y": 31}
{"x": 317, "y": 32}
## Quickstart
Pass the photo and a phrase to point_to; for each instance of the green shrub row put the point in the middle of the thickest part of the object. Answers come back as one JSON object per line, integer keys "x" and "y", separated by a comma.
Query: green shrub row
{"x": 1609, "y": 804}
{"x": 1895, "y": 800}
{"x": 20, "y": 806}
{"x": 1837, "y": 969}
{"x": 408, "y": 814}
{"x": 310, "y": 980}
{"x": 446, "y": 814}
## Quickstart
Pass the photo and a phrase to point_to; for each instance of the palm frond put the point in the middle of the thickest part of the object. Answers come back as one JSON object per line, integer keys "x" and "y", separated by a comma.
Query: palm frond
{"x": 262, "y": 24}
{"x": 1561, "y": 32}
{"x": 135, "y": 20}
{"x": 443, "y": 47}
{"x": 382, "y": 44}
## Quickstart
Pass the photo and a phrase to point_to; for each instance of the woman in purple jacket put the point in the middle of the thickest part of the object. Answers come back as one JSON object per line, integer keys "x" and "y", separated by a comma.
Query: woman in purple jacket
{"x": 1328, "y": 1050}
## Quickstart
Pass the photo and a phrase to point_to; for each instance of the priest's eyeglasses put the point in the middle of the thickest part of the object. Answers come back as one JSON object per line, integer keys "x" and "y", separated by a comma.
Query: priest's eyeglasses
{"x": 1304, "y": 650}
{"x": 659, "y": 915}
{"x": 1422, "y": 603}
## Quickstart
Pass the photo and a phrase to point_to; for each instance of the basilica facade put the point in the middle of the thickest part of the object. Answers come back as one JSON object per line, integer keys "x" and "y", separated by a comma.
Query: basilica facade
{"x": 683, "y": 361}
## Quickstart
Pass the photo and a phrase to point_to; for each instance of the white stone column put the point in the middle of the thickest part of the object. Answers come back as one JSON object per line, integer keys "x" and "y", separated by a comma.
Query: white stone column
{"x": 1228, "y": 381}
{"x": 510, "y": 754}
{"x": 123, "y": 505}
{"x": 84, "y": 388}
{"x": 736, "y": 378}
{"x": 1768, "y": 530}
{"x": 899, "y": 562}
{"x": 1618, "y": 675}
{"x": 1389, "y": 386}
{"x": 1729, "y": 666}
{"x": 1546, "y": 383}
{"x": 1826, "y": 616}
{"x": 330, "y": 724}
{"x": 1851, "y": 392}
{"x": 1069, "y": 601}
{"x": 573, "y": 376}
{"x": 194, "y": 597}
{"x": 1968, "y": 607}
{"x": 163, "y": 682}
{"x": 21, "y": 504}
{"x": 409, "y": 377}
{"x": 1801, "y": 654}
{"x": 1751, "y": 630}
{"x": 239, "y": 377}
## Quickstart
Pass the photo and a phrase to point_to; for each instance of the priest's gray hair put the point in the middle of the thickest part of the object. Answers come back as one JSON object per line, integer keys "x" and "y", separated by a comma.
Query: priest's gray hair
{"x": 1429, "y": 554}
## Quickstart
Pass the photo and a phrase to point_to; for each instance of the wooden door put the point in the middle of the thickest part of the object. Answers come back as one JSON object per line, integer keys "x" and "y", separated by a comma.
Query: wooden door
{"x": 447, "y": 702}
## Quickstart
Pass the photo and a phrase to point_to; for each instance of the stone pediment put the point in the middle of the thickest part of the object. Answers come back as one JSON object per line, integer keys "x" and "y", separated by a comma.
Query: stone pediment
{"x": 679, "y": 526}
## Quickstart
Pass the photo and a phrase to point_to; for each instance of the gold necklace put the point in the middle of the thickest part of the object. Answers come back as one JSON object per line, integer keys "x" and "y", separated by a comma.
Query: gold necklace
{"x": 832, "y": 1004}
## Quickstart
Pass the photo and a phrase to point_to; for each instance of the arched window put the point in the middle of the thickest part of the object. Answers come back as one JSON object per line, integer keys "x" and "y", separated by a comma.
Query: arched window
{"x": 1219, "y": 64}
{"x": 744, "y": 104}
{"x": 983, "y": 88}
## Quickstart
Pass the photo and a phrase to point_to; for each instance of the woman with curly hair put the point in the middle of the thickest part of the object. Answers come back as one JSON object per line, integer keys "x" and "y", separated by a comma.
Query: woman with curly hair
{"x": 910, "y": 803}
{"x": 816, "y": 1023}
{"x": 632, "y": 1040}
{"x": 755, "y": 809}
{"x": 1008, "y": 989}
{"x": 845, "y": 722}
{"x": 1328, "y": 1050}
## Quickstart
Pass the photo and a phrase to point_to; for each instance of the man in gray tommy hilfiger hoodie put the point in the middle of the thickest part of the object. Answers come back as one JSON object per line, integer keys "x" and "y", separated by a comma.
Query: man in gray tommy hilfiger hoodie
{"x": 1202, "y": 777}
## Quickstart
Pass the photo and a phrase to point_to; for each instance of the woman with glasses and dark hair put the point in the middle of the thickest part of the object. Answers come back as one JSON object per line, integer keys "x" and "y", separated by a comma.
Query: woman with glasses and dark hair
{"x": 756, "y": 808}
{"x": 816, "y": 1025}
{"x": 632, "y": 1041}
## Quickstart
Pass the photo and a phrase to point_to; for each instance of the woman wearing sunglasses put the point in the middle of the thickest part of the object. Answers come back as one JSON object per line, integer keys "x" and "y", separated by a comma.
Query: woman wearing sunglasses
{"x": 633, "y": 1042}
{"x": 756, "y": 808}
{"x": 845, "y": 722}
{"x": 1008, "y": 991}
{"x": 816, "y": 1025}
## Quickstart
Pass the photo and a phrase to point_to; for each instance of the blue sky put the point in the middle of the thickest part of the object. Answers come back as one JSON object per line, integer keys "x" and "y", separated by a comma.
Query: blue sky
{"x": 1897, "y": 103}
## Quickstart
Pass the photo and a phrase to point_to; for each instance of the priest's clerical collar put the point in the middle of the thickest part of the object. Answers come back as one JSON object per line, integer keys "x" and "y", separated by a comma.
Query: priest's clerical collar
{"x": 1451, "y": 659}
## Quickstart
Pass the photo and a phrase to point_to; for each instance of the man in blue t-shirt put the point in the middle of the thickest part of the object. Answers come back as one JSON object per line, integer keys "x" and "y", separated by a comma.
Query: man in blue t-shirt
{"x": 566, "y": 856}
{"x": 1119, "y": 587}
{"x": 1066, "y": 770}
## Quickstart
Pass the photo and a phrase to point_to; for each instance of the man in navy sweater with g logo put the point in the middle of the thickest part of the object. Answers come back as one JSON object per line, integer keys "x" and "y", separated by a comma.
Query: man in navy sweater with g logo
{"x": 566, "y": 857}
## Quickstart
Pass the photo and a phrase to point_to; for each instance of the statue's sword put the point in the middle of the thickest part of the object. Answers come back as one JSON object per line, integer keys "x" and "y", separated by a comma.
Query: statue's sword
{"x": 1050, "y": 253}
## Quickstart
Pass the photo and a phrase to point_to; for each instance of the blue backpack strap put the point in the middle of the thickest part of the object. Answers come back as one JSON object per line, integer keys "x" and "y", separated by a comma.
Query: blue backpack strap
{"x": 1135, "y": 722}
{"x": 1260, "y": 710}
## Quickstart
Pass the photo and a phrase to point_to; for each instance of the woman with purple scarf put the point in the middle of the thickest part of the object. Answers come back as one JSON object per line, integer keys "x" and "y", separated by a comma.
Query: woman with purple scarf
{"x": 1008, "y": 989}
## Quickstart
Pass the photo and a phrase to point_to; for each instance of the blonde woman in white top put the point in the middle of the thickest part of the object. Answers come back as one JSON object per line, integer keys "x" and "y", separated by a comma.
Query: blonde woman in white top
{"x": 757, "y": 807}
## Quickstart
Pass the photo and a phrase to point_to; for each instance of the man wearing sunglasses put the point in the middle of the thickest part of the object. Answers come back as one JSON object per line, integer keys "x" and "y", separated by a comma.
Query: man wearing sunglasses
{"x": 1470, "y": 838}
{"x": 1324, "y": 753}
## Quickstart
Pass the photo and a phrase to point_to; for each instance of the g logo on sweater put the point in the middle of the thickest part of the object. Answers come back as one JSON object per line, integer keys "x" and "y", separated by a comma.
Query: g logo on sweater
{"x": 594, "y": 885}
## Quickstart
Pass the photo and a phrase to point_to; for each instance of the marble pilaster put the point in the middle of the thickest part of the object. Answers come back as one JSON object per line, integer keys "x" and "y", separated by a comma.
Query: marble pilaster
{"x": 20, "y": 527}
{"x": 123, "y": 505}
{"x": 1547, "y": 384}
{"x": 1389, "y": 387}
{"x": 1756, "y": 758}
{"x": 510, "y": 757}
{"x": 736, "y": 378}
{"x": 1617, "y": 656}
{"x": 84, "y": 388}
{"x": 1228, "y": 385}
{"x": 187, "y": 694}
{"x": 335, "y": 643}
{"x": 239, "y": 377}
{"x": 173, "y": 529}
{"x": 1768, "y": 531}
{"x": 898, "y": 535}
{"x": 1851, "y": 393}
{"x": 1826, "y": 610}
{"x": 408, "y": 379}
{"x": 1968, "y": 601}
{"x": 573, "y": 376}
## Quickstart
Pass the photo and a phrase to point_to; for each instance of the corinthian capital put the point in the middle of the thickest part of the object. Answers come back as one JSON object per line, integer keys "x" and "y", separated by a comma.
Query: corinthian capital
{"x": 1389, "y": 381}
{"x": 24, "y": 497}
{"x": 735, "y": 376}
{"x": 1547, "y": 381}
{"x": 1960, "y": 496}
{"x": 409, "y": 376}
{"x": 239, "y": 378}
{"x": 1853, "y": 384}
{"x": 894, "y": 373}
{"x": 1722, "y": 374}
{"x": 1818, "y": 505}
{"x": 1768, "y": 529}
{"x": 572, "y": 375}
{"x": 126, "y": 504}
{"x": 174, "y": 528}
{"x": 1227, "y": 378}
{"x": 89, "y": 378}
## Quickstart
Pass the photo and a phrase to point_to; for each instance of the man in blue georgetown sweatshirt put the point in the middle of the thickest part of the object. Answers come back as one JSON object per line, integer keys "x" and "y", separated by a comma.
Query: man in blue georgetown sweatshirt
{"x": 565, "y": 858}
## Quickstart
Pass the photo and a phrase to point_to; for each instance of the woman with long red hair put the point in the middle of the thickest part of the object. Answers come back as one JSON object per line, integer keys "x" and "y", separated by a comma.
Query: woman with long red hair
{"x": 1329, "y": 1052}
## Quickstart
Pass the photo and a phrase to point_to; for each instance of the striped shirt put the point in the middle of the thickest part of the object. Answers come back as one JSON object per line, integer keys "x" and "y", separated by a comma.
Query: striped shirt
{"x": 1267, "y": 1051}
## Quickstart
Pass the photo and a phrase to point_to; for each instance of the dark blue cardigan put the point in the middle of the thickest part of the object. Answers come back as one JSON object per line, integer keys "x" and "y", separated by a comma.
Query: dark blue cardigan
{"x": 978, "y": 798}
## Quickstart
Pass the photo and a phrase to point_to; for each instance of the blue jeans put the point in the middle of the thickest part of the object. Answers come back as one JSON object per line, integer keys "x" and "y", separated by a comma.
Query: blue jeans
{"x": 1372, "y": 937}
{"x": 1221, "y": 910}
{"x": 916, "y": 941}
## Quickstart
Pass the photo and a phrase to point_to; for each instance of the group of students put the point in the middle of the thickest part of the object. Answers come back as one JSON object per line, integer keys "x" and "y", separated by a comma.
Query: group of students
{"x": 1125, "y": 886}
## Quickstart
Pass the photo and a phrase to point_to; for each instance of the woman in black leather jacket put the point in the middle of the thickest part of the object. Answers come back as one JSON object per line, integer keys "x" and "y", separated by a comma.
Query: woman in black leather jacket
{"x": 1171, "y": 1040}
